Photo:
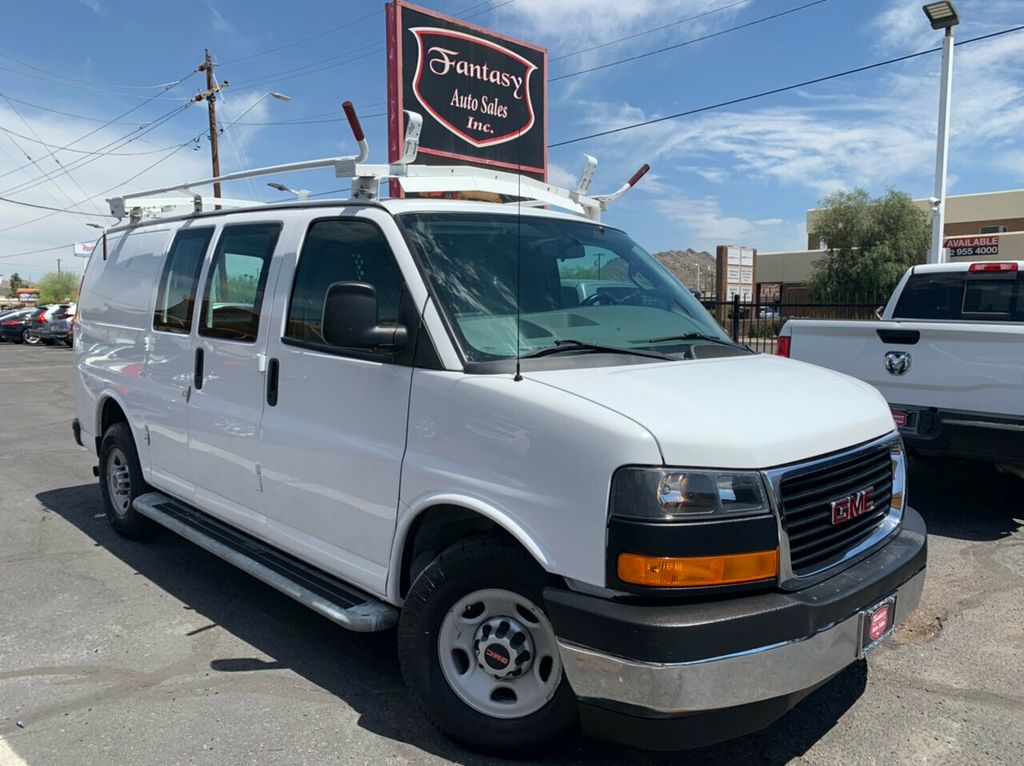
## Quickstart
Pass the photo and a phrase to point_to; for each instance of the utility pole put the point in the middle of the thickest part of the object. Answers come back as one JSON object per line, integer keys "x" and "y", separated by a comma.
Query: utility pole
{"x": 58, "y": 267}
{"x": 210, "y": 97}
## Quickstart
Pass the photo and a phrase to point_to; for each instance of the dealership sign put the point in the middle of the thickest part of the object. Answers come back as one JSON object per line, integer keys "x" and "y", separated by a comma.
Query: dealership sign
{"x": 972, "y": 246}
{"x": 481, "y": 94}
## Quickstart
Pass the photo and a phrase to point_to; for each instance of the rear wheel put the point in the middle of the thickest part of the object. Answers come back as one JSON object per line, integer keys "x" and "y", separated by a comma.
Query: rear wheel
{"x": 28, "y": 337}
{"x": 121, "y": 482}
{"x": 478, "y": 650}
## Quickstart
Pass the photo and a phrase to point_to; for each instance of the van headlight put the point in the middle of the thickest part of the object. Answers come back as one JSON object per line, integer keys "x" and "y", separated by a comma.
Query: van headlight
{"x": 677, "y": 494}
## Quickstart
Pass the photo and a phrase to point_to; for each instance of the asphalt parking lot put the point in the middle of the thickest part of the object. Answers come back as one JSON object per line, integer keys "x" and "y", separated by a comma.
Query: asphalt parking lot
{"x": 114, "y": 652}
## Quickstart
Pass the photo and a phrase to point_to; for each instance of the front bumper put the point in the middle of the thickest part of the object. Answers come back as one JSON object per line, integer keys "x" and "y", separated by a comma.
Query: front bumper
{"x": 747, "y": 659}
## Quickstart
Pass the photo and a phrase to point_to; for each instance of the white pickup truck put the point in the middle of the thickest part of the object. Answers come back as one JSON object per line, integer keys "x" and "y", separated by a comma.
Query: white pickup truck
{"x": 948, "y": 356}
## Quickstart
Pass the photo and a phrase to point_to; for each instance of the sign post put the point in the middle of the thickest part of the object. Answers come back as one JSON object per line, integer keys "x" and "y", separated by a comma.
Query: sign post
{"x": 482, "y": 95}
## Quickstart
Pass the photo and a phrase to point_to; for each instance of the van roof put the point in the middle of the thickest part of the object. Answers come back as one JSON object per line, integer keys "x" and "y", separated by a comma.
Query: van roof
{"x": 394, "y": 206}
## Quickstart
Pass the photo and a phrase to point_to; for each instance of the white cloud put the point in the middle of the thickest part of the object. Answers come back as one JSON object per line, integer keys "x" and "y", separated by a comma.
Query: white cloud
{"x": 706, "y": 224}
{"x": 568, "y": 26}
{"x": 560, "y": 175}
{"x": 93, "y": 5}
{"x": 218, "y": 22}
{"x": 95, "y": 178}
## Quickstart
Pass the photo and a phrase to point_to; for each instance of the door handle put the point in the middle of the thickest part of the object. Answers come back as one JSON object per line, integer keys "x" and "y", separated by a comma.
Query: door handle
{"x": 197, "y": 378}
{"x": 273, "y": 370}
{"x": 901, "y": 337}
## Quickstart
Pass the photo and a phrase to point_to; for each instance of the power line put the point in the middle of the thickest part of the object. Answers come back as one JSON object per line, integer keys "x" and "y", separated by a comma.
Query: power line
{"x": 783, "y": 89}
{"x": 135, "y": 108}
{"x": 120, "y": 142}
{"x": 69, "y": 114}
{"x": 163, "y": 85}
{"x": 127, "y": 181}
{"x": 635, "y": 35}
{"x": 35, "y": 252}
{"x": 67, "y": 147}
{"x": 332, "y": 30}
{"x": 48, "y": 150}
{"x": 55, "y": 209}
{"x": 709, "y": 36}
{"x": 310, "y": 122}
{"x": 53, "y": 81}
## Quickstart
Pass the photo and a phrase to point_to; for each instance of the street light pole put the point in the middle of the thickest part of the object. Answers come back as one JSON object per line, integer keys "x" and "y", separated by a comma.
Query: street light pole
{"x": 938, "y": 253}
{"x": 942, "y": 15}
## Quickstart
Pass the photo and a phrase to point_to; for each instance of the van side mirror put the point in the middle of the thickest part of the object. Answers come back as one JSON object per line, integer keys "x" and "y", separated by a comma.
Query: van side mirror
{"x": 350, "y": 319}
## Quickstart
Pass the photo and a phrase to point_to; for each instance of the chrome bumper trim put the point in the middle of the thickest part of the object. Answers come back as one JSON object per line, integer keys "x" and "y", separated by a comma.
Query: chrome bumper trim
{"x": 726, "y": 681}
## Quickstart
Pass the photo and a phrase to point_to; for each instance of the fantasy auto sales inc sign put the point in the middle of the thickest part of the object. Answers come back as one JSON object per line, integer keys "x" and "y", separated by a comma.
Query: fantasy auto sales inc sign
{"x": 481, "y": 94}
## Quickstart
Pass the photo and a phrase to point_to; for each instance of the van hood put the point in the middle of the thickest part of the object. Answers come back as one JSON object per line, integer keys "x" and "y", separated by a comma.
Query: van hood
{"x": 735, "y": 412}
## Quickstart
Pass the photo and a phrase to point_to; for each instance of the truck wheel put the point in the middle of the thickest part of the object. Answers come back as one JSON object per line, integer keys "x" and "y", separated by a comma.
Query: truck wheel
{"x": 121, "y": 482}
{"x": 480, "y": 654}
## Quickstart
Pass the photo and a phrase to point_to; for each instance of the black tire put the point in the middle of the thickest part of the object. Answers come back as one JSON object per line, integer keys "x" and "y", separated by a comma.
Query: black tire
{"x": 118, "y": 454}
{"x": 476, "y": 564}
{"x": 25, "y": 335}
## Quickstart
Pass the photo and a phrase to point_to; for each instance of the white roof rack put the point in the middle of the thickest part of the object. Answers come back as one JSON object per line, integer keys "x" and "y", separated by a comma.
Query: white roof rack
{"x": 366, "y": 181}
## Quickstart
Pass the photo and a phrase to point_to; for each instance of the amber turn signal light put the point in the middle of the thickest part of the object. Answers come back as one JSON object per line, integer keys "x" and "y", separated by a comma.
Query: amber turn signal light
{"x": 697, "y": 571}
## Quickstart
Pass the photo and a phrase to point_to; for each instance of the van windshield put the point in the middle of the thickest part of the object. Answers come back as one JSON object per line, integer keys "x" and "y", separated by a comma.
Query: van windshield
{"x": 531, "y": 284}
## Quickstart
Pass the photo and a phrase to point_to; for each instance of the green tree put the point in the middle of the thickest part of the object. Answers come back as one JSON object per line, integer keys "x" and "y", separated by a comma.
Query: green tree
{"x": 870, "y": 242}
{"x": 16, "y": 282}
{"x": 57, "y": 288}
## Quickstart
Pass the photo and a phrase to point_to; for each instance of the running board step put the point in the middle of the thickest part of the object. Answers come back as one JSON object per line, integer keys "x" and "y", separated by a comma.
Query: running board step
{"x": 321, "y": 592}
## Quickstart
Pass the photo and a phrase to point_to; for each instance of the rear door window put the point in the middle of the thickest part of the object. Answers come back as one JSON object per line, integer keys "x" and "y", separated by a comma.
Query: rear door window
{"x": 180, "y": 281}
{"x": 962, "y": 296}
{"x": 234, "y": 290}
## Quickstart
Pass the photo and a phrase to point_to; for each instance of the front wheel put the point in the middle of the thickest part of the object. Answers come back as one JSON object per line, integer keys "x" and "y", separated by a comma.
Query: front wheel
{"x": 480, "y": 654}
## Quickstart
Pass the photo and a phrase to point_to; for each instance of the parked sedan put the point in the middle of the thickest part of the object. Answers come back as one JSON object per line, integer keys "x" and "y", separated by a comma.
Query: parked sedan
{"x": 16, "y": 326}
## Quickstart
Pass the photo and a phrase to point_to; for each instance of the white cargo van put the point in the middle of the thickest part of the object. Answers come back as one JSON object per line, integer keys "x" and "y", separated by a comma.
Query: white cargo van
{"x": 594, "y": 510}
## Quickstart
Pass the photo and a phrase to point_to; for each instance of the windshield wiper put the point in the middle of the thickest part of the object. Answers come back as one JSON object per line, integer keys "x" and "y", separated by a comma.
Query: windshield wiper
{"x": 694, "y": 336}
{"x": 571, "y": 344}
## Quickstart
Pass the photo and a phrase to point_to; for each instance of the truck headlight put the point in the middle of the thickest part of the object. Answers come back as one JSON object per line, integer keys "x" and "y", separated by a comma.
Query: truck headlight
{"x": 677, "y": 494}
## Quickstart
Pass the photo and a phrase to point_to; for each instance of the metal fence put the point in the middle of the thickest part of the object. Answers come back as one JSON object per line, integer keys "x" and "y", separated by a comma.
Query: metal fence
{"x": 757, "y": 323}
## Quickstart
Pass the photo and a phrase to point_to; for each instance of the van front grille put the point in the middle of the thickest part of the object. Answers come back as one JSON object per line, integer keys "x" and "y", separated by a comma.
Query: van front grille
{"x": 806, "y": 497}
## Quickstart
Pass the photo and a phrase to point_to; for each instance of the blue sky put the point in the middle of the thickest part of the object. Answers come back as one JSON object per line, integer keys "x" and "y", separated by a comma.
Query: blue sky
{"x": 742, "y": 175}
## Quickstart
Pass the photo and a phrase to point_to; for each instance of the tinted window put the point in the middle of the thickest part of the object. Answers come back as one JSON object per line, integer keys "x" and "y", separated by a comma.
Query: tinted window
{"x": 993, "y": 295}
{"x": 180, "y": 280}
{"x": 931, "y": 296}
{"x": 960, "y": 295}
{"x": 237, "y": 279}
{"x": 341, "y": 251}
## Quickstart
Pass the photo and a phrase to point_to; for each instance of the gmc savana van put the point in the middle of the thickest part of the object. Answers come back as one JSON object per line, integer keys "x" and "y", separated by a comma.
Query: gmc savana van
{"x": 512, "y": 433}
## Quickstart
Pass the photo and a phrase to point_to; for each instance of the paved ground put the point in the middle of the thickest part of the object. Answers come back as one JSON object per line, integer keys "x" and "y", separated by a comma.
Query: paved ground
{"x": 114, "y": 652}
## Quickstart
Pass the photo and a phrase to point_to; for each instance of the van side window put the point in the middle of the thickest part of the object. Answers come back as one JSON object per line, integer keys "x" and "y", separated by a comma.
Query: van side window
{"x": 237, "y": 279}
{"x": 341, "y": 251}
{"x": 177, "y": 294}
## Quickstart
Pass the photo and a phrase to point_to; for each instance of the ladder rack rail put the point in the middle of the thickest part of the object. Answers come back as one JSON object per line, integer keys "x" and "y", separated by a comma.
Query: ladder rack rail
{"x": 366, "y": 180}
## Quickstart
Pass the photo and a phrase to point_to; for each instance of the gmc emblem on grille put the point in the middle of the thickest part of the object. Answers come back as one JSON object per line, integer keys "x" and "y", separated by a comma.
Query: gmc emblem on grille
{"x": 850, "y": 507}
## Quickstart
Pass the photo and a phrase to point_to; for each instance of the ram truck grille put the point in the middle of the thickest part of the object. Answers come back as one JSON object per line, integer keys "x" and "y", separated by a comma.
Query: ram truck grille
{"x": 833, "y": 506}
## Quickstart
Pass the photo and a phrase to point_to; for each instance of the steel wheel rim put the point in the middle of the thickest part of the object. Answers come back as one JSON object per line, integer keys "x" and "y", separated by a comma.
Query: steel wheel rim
{"x": 119, "y": 481}
{"x": 462, "y": 648}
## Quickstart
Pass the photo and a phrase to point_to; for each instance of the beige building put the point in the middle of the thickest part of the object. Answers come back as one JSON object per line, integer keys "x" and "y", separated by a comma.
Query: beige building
{"x": 993, "y": 221}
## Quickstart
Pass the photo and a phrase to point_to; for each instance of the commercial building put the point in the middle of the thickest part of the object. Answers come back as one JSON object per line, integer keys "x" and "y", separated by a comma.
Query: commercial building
{"x": 978, "y": 227}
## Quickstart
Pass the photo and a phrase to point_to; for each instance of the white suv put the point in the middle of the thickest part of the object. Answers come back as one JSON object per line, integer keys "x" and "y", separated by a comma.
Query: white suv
{"x": 597, "y": 510}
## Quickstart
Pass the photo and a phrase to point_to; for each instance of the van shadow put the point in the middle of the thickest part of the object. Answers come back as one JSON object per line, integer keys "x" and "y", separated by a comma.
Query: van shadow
{"x": 965, "y": 500}
{"x": 362, "y": 669}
